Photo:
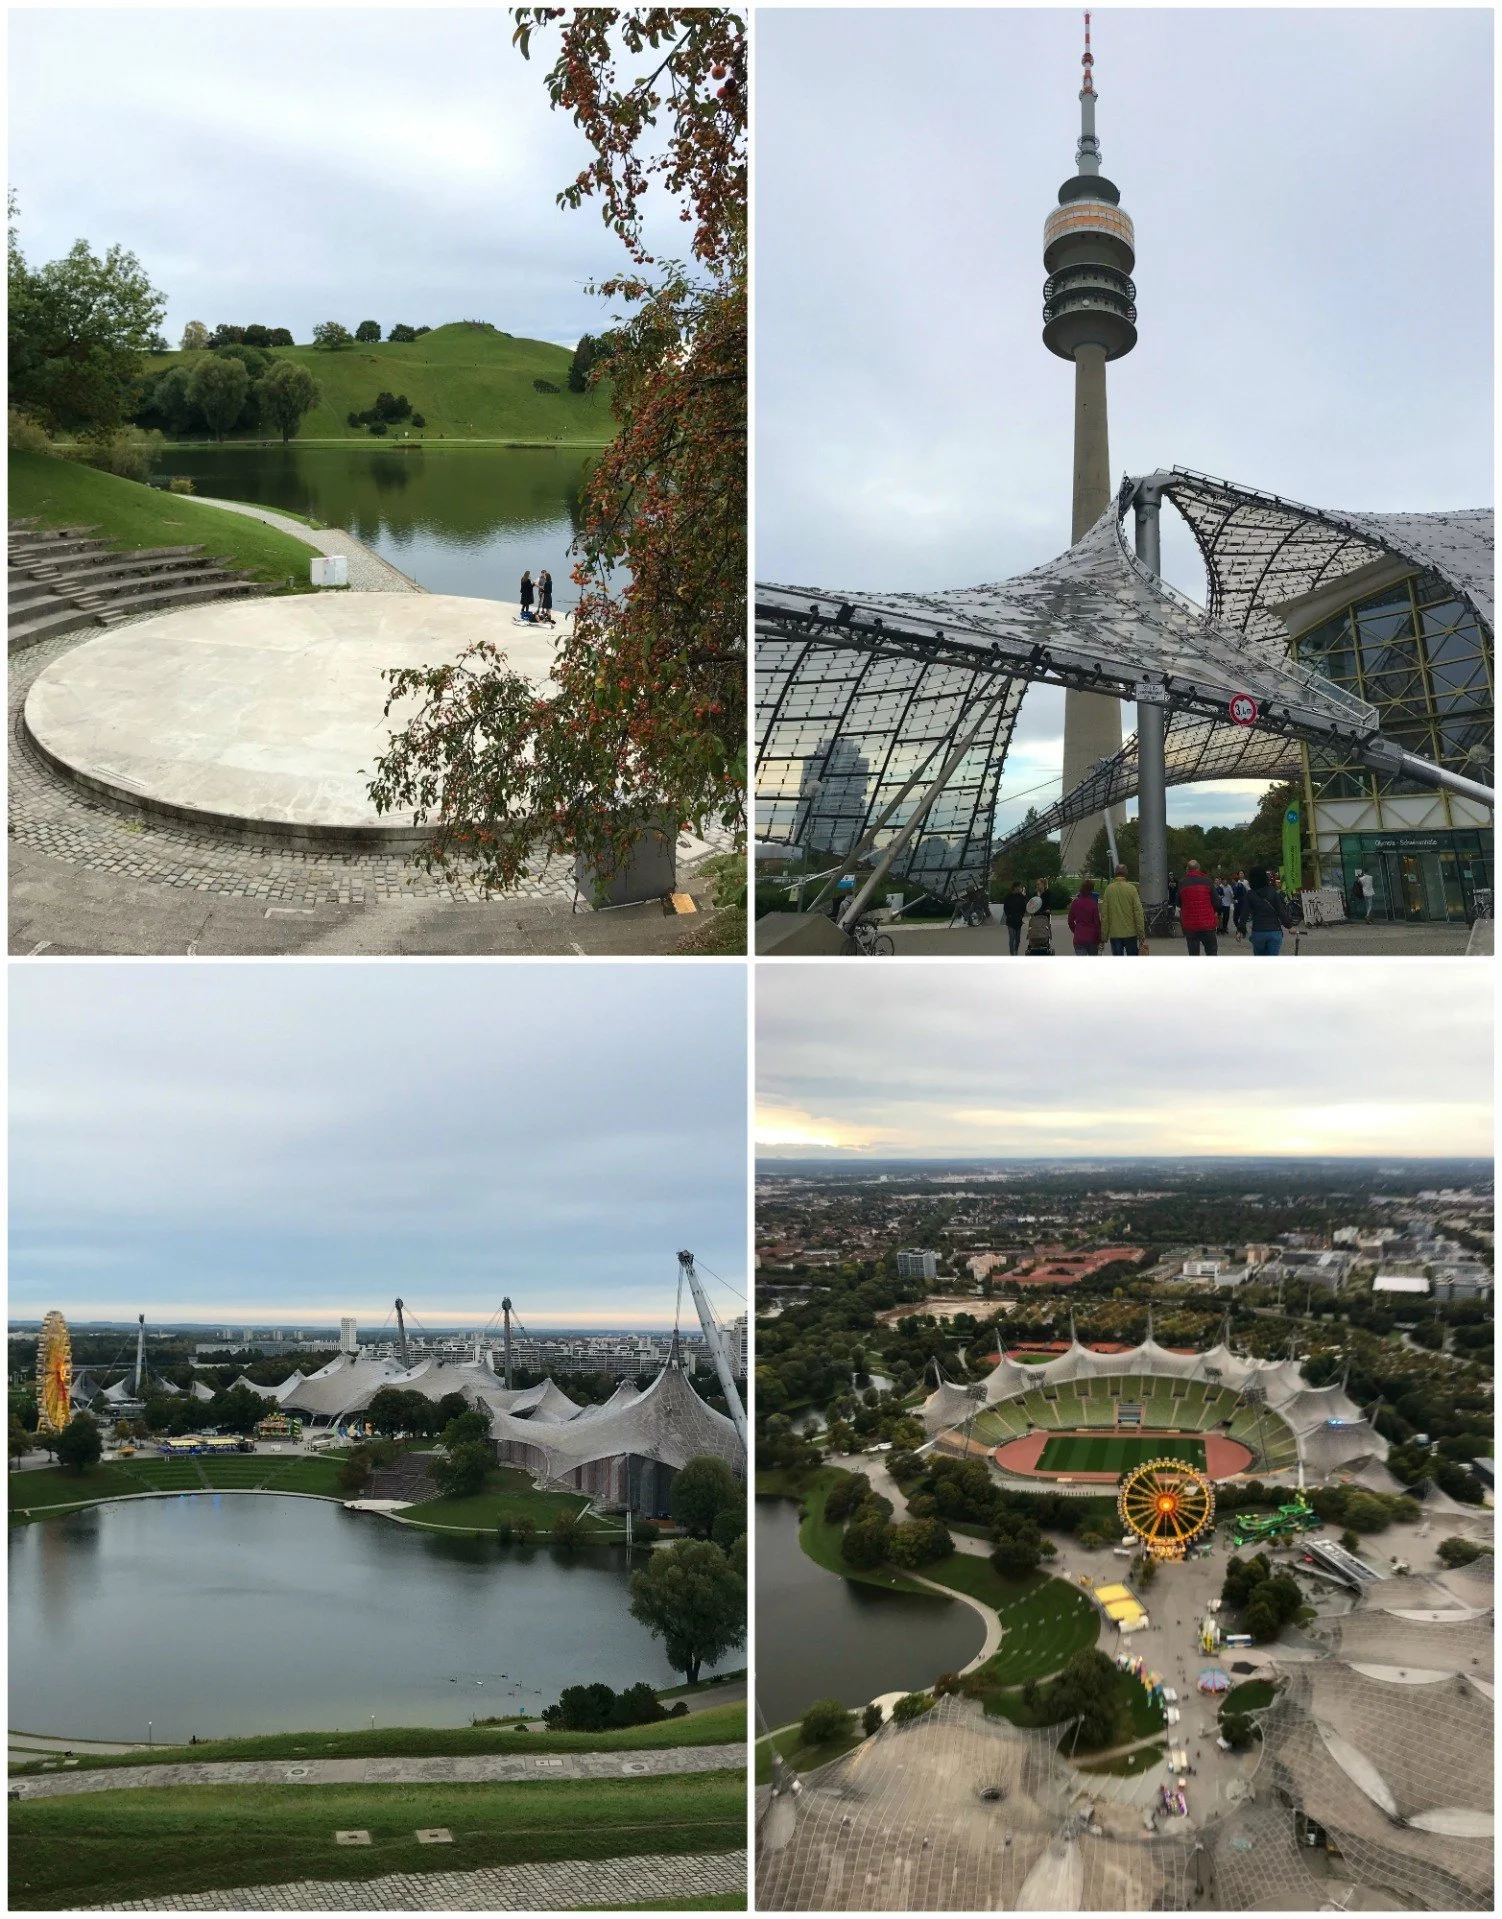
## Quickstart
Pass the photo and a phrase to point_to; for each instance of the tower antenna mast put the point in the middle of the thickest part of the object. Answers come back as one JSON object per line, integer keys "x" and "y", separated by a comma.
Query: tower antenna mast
{"x": 401, "y": 1338}
{"x": 140, "y": 1350}
{"x": 506, "y": 1316}
{"x": 716, "y": 1348}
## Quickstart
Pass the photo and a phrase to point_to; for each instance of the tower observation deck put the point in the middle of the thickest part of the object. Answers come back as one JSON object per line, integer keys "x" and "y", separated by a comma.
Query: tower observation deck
{"x": 1089, "y": 317}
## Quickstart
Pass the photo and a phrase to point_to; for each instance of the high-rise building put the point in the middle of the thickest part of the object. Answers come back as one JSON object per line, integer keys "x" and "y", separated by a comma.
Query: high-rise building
{"x": 1089, "y": 317}
{"x": 917, "y": 1266}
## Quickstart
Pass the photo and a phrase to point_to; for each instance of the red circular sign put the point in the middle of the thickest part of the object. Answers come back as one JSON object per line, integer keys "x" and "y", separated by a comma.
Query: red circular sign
{"x": 1243, "y": 710}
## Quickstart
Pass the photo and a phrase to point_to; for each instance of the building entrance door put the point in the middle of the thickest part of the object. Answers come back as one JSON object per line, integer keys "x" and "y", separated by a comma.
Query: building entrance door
{"x": 1405, "y": 886}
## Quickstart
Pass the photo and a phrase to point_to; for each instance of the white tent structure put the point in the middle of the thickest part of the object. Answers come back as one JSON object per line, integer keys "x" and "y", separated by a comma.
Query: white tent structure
{"x": 1331, "y": 1432}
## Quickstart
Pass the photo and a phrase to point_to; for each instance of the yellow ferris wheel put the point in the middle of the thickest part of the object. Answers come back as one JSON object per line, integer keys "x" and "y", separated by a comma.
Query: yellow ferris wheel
{"x": 1165, "y": 1504}
{"x": 54, "y": 1375}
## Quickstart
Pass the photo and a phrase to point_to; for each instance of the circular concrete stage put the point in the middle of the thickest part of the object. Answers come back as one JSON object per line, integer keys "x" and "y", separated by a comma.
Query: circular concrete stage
{"x": 262, "y": 718}
{"x": 1224, "y": 1458}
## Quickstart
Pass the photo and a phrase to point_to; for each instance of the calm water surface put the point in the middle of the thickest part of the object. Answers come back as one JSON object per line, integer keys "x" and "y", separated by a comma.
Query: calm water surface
{"x": 223, "y": 1616}
{"x": 464, "y": 520}
{"x": 819, "y": 1636}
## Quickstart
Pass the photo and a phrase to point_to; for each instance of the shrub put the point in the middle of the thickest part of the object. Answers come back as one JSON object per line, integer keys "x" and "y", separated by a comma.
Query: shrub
{"x": 568, "y": 1530}
{"x": 596, "y": 1708}
{"x": 825, "y": 1720}
{"x": 1351, "y": 1541}
{"x": 871, "y": 1719}
{"x": 544, "y": 386}
{"x": 526, "y": 1532}
{"x": 1460, "y": 1552}
{"x": 27, "y": 434}
{"x": 947, "y": 1682}
{"x": 911, "y": 1706}
{"x": 378, "y": 427}
{"x": 645, "y": 1532}
{"x": 123, "y": 450}
{"x": 504, "y": 1534}
{"x": 1236, "y": 1729}
{"x": 181, "y": 483}
{"x": 418, "y": 420}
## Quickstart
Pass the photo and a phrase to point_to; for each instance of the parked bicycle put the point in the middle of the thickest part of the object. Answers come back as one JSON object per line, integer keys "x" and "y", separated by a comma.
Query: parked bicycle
{"x": 866, "y": 938}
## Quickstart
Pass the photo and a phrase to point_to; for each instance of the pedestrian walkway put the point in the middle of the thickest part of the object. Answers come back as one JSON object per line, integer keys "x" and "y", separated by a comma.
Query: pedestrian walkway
{"x": 368, "y": 572}
{"x": 450, "y": 1770}
{"x": 561, "y": 1885}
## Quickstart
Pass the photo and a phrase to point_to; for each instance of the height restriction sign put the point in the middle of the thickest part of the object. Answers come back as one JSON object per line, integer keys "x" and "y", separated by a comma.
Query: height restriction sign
{"x": 1243, "y": 709}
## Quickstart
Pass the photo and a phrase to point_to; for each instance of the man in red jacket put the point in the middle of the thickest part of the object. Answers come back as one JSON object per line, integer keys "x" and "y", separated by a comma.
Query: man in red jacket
{"x": 1197, "y": 914}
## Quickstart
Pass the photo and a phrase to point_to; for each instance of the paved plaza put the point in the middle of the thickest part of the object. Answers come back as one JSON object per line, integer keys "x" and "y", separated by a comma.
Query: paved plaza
{"x": 266, "y": 716}
{"x": 1383, "y": 939}
{"x": 85, "y": 877}
{"x": 452, "y": 1770}
{"x": 563, "y": 1885}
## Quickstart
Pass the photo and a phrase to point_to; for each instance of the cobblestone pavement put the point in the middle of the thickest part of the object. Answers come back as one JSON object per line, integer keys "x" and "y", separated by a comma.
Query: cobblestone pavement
{"x": 368, "y": 572}
{"x": 564, "y": 1885}
{"x": 62, "y": 823}
{"x": 477, "y": 1769}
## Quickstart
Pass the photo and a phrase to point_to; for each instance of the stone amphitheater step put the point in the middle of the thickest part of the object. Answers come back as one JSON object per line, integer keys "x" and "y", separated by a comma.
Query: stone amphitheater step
{"x": 106, "y": 566}
{"x": 222, "y": 589}
{"x": 44, "y": 626}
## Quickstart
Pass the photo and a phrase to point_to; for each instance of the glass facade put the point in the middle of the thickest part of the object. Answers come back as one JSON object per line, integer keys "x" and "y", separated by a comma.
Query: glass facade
{"x": 1424, "y": 660}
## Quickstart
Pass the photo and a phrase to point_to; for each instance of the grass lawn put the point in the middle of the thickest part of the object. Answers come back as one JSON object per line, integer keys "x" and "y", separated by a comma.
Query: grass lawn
{"x": 509, "y": 1495}
{"x": 469, "y": 383}
{"x": 101, "y": 1846}
{"x": 1044, "y": 1620}
{"x": 62, "y": 493}
{"x": 718, "y": 1726}
{"x": 1113, "y": 1453}
{"x": 52, "y": 1488}
{"x": 781, "y": 1485}
{"x": 789, "y": 1742}
{"x": 820, "y": 1538}
{"x": 1249, "y": 1696}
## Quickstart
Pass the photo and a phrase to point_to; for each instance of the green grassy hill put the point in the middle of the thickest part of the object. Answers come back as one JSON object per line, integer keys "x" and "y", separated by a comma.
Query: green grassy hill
{"x": 468, "y": 382}
{"x": 61, "y": 493}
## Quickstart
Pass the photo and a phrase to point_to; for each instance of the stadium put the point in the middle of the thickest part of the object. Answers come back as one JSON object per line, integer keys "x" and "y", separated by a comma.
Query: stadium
{"x": 1079, "y": 1422}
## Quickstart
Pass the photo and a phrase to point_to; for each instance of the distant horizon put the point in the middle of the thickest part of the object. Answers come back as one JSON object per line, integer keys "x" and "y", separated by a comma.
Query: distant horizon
{"x": 209, "y": 1327}
{"x": 859, "y": 1155}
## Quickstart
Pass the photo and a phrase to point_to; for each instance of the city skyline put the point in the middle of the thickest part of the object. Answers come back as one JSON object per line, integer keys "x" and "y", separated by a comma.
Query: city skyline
{"x": 1158, "y": 1071}
{"x": 262, "y": 1146}
{"x": 917, "y": 442}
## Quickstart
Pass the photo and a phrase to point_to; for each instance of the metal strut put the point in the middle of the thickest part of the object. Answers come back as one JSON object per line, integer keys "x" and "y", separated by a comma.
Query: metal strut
{"x": 716, "y": 1349}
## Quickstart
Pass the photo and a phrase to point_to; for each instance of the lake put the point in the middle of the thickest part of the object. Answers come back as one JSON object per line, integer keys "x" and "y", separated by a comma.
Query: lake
{"x": 229, "y": 1614}
{"x": 819, "y": 1636}
{"x": 462, "y": 520}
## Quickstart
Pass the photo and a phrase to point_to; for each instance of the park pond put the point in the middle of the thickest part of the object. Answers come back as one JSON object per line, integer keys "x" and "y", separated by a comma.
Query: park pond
{"x": 819, "y": 1636}
{"x": 222, "y": 1615}
{"x": 463, "y": 520}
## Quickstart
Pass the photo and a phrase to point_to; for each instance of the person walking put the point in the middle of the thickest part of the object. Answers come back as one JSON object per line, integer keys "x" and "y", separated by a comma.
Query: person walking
{"x": 1039, "y": 924}
{"x": 1014, "y": 912}
{"x": 1121, "y": 918}
{"x": 1365, "y": 889}
{"x": 1084, "y": 919}
{"x": 1173, "y": 894}
{"x": 1223, "y": 905}
{"x": 545, "y": 597}
{"x": 1264, "y": 915}
{"x": 525, "y": 595}
{"x": 1198, "y": 910}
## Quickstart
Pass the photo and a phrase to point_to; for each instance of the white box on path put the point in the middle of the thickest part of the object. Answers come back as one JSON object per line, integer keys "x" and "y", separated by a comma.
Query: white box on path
{"x": 332, "y": 570}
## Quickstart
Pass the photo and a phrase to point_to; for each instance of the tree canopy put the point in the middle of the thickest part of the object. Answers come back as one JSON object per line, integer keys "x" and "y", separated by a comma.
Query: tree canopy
{"x": 78, "y": 328}
{"x": 79, "y": 1445}
{"x": 691, "y": 1597}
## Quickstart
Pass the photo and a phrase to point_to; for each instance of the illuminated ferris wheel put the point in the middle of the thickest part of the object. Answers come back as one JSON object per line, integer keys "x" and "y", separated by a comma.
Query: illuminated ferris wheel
{"x": 54, "y": 1375}
{"x": 1165, "y": 1504}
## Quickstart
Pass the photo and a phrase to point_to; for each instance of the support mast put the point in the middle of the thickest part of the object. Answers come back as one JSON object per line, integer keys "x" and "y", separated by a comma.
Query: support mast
{"x": 140, "y": 1351}
{"x": 716, "y": 1350}
{"x": 401, "y": 1337}
{"x": 506, "y": 1318}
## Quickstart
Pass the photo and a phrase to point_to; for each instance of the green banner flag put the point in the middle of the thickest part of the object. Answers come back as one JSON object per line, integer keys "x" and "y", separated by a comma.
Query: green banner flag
{"x": 1293, "y": 857}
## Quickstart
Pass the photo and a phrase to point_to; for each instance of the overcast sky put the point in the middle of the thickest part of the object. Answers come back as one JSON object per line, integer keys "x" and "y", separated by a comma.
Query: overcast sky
{"x": 289, "y": 165}
{"x": 1312, "y": 193}
{"x": 899, "y": 1061}
{"x": 293, "y": 1142}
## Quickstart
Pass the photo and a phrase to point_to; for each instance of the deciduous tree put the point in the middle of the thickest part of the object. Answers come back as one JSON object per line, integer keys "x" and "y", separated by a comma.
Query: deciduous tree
{"x": 647, "y": 719}
{"x": 79, "y": 1444}
{"x": 218, "y": 387}
{"x": 287, "y": 393}
{"x": 690, "y": 1597}
{"x": 331, "y": 337}
{"x": 368, "y": 331}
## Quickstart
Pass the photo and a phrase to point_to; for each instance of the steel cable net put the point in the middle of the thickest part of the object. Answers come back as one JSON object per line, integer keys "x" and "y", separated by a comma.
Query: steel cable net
{"x": 959, "y": 1812}
{"x": 1261, "y": 551}
{"x": 1396, "y": 1774}
{"x": 855, "y": 690}
{"x": 1194, "y": 749}
{"x": 841, "y": 732}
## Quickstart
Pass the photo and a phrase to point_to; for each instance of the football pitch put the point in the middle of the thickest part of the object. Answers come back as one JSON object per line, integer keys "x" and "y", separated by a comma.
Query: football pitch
{"x": 1114, "y": 1453}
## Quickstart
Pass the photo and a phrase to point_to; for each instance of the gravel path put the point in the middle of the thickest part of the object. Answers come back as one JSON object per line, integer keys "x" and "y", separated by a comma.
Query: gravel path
{"x": 368, "y": 572}
{"x": 465, "y": 1770}
{"x": 566, "y": 1885}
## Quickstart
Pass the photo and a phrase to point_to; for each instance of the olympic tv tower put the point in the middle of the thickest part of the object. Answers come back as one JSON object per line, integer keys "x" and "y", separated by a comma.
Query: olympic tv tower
{"x": 1088, "y": 317}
